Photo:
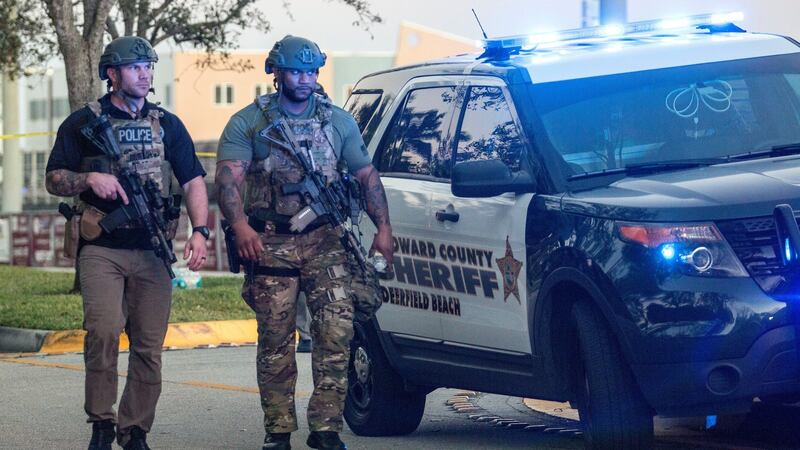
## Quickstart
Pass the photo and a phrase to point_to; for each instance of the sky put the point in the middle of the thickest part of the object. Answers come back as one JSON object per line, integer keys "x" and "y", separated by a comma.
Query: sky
{"x": 329, "y": 22}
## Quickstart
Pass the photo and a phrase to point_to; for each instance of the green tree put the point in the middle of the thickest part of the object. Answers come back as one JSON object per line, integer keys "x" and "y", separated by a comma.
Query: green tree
{"x": 79, "y": 29}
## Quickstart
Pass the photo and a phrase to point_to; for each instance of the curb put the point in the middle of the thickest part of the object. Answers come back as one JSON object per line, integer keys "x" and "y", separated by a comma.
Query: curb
{"x": 14, "y": 340}
{"x": 179, "y": 335}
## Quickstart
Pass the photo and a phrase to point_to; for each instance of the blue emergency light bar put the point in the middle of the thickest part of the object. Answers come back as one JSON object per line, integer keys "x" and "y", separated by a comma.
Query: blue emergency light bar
{"x": 648, "y": 26}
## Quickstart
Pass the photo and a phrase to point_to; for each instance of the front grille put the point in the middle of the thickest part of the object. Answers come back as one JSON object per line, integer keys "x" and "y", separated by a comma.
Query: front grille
{"x": 755, "y": 242}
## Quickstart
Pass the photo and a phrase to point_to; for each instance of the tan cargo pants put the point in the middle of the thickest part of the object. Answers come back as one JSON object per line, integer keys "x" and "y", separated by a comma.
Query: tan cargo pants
{"x": 130, "y": 290}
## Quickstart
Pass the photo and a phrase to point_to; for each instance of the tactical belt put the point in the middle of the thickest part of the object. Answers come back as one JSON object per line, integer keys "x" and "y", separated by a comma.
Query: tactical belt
{"x": 280, "y": 227}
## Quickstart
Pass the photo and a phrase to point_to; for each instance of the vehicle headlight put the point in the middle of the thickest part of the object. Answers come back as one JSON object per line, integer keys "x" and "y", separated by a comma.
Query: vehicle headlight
{"x": 698, "y": 249}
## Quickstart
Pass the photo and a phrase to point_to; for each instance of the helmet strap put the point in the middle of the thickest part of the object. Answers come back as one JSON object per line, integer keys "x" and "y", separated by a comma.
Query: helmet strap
{"x": 278, "y": 74}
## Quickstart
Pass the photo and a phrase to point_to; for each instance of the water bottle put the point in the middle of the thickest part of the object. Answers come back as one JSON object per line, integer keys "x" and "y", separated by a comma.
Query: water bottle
{"x": 378, "y": 261}
{"x": 193, "y": 280}
{"x": 187, "y": 279}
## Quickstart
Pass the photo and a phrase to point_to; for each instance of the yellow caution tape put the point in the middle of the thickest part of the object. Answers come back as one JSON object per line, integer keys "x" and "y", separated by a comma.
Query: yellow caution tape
{"x": 25, "y": 135}
{"x": 207, "y": 154}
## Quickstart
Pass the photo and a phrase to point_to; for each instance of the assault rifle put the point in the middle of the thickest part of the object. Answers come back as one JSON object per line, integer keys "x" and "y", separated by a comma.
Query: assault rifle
{"x": 330, "y": 201}
{"x": 145, "y": 203}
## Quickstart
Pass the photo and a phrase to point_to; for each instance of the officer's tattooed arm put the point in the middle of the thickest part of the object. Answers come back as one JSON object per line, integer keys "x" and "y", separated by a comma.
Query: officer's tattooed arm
{"x": 65, "y": 183}
{"x": 377, "y": 210}
{"x": 374, "y": 195}
{"x": 229, "y": 179}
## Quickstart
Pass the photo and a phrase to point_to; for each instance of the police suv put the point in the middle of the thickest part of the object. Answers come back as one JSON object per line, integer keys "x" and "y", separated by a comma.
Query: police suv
{"x": 605, "y": 216}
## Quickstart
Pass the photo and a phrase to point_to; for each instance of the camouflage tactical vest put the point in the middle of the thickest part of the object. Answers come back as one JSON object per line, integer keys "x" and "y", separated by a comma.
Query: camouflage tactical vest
{"x": 142, "y": 147}
{"x": 275, "y": 164}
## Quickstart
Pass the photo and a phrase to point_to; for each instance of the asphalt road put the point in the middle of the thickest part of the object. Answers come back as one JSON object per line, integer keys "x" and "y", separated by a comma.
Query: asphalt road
{"x": 210, "y": 401}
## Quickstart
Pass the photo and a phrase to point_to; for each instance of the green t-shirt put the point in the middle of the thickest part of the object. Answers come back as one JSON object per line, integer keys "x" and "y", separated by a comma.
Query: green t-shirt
{"x": 240, "y": 135}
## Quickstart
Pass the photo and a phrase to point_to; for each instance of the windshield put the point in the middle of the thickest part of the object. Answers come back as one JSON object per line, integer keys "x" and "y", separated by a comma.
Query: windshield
{"x": 694, "y": 112}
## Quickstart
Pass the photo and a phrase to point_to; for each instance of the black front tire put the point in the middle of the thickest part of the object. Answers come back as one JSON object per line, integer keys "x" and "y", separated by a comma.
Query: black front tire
{"x": 377, "y": 402}
{"x": 613, "y": 412}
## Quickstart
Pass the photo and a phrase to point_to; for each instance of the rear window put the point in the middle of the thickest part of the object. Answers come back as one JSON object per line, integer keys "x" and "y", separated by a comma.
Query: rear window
{"x": 416, "y": 143}
{"x": 487, "y": 129}
{"x": 362, "y": 105}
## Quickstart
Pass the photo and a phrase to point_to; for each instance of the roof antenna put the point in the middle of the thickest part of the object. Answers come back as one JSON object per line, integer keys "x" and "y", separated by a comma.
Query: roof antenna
{"x": 479, "y": 24}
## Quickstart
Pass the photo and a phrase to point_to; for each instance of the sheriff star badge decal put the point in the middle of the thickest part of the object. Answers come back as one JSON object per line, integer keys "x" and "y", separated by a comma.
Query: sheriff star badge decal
{"x": 510, "y": 268}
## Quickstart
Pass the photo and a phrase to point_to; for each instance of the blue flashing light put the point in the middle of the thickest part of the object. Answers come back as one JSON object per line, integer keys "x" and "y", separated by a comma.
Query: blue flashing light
{"x": 612, "y": 30}
{"x": 711, "y": 422}
{"x": 787, "y": 249}
{"x": 668, "y": 252}
{"x": 674, "y": 24}
{"x": 604, "y": 31}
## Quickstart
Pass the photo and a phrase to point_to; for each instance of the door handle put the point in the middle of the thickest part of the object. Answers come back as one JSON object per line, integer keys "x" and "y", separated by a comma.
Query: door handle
{"x": 447, "y": 214}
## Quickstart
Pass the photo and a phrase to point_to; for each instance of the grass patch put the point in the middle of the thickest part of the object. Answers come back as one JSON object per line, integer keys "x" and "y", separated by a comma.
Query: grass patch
{"x": 37, "y": 299}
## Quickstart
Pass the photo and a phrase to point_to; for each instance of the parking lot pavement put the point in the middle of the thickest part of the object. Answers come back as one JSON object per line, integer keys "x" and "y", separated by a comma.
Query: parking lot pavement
{"x": 210, "y": 401}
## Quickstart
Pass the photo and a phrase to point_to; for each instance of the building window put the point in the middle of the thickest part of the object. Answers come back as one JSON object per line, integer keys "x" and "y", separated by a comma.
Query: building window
{"x": 263, "y": 89}
{"x": 223, "y": 94}
{"x": 60, "y": 107}
{"x": 28, "y": 172}
{"x": 37, "y": 109}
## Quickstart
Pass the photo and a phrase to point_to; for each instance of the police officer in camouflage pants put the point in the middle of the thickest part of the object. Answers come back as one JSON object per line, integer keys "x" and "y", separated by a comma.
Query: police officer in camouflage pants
{"x": 252, "y": 153}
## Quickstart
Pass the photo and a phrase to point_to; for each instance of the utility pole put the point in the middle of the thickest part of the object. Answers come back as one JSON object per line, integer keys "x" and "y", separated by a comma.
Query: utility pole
{"x": 12, "y": 155}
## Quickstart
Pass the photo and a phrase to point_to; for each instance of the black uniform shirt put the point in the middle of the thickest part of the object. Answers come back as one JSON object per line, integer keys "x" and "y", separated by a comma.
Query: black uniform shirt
{"x": 70, "y": 146}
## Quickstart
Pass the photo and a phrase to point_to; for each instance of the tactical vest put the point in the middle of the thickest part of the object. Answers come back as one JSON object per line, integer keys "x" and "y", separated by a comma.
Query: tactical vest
{"x": 142, "y": 147}
{"x": 274, "y": 165}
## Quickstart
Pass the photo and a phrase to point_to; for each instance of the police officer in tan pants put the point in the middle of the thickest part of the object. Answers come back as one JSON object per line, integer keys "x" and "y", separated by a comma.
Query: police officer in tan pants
{"x": 123, "y": 284}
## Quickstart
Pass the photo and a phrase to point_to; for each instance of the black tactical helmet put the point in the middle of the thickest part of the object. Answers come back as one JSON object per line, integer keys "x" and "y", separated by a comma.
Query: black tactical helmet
{"x": 293, "y": 52}
{"x": 126, "y": 50}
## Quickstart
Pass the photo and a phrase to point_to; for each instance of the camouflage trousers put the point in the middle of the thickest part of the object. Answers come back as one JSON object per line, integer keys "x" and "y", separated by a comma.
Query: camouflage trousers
{"x": 315, "y": 263}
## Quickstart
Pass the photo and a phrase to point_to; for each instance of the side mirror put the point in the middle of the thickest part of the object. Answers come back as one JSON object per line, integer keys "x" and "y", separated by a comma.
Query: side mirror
{"x": 488, "y": 178}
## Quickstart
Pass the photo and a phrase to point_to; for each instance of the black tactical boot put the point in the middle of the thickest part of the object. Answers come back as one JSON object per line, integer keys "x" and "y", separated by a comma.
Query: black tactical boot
{"x": 138, "y": 440}
{"x": 325, "y": 440}
{"x": 103, "y": 435}
{"x": 277, "y": 441}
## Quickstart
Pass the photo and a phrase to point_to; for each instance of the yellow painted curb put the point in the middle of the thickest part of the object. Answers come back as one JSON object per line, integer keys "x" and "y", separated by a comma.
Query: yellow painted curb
{"x": 179, "y": 335}
{"x": 192, "y": 334}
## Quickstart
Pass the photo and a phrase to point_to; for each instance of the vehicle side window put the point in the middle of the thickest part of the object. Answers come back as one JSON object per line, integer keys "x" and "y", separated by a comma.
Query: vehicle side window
{"x": 362, "y": 105}
{"x": 417, "y": 142}
{"x": 487, "y": 129}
